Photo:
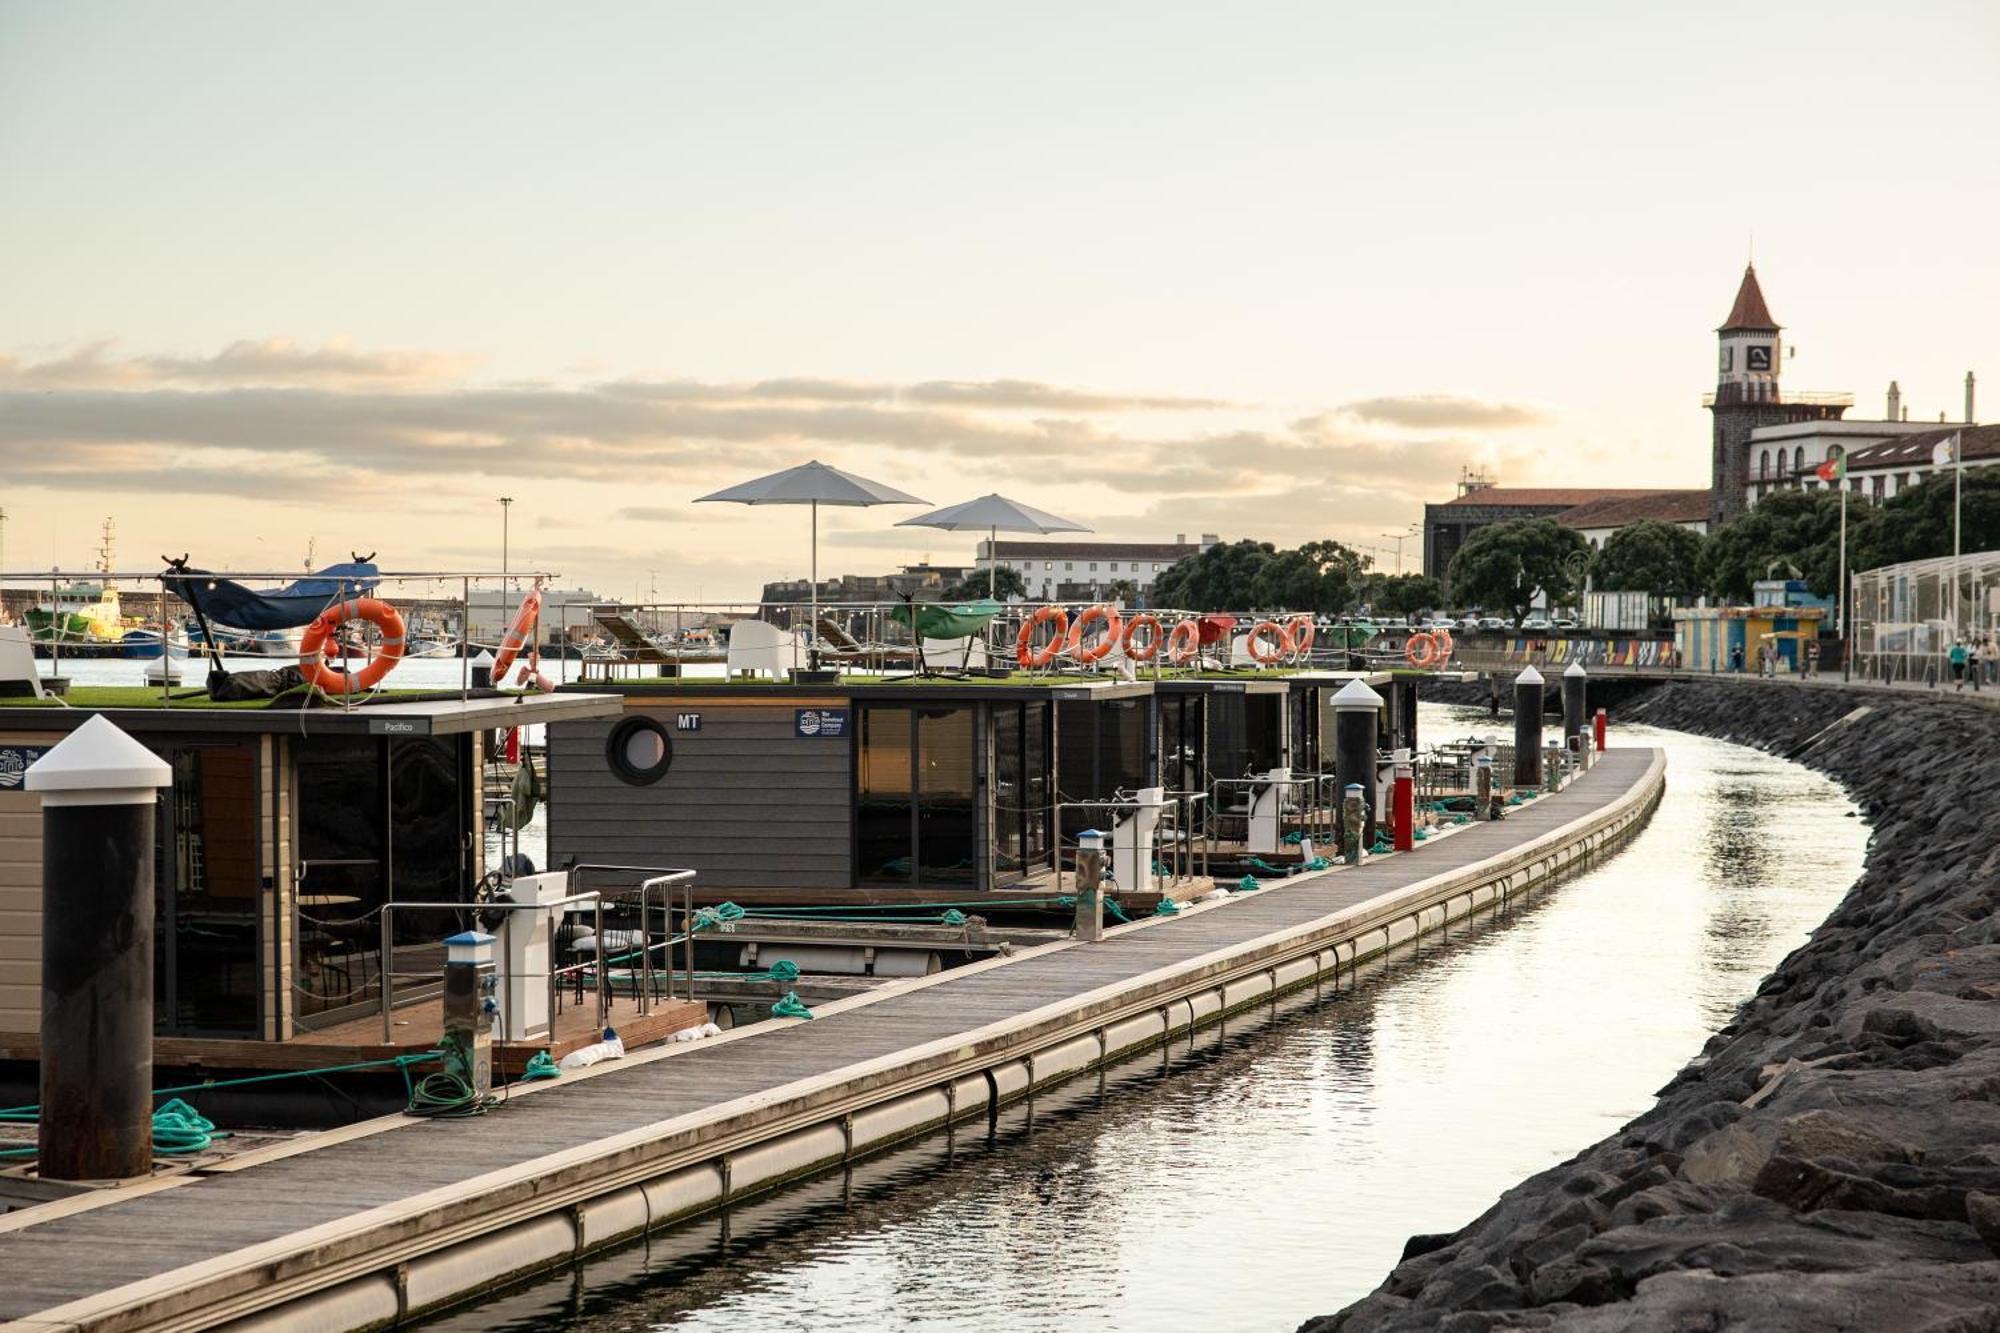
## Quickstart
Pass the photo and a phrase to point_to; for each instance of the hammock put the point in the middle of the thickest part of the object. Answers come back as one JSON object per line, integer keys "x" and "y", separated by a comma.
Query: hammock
{"x": 934, "y": 621}
{"x": 231, "y": 604}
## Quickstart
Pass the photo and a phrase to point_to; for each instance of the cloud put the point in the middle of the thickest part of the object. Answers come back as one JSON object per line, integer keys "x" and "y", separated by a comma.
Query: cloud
{"x": 1031, "y": 395}
{"x": 272, "y": 361}
{"x": 1434, "y": 411}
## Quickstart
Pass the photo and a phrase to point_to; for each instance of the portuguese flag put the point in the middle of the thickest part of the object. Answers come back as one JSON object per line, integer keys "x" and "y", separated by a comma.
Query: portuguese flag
{"x": 1833, "y": 469}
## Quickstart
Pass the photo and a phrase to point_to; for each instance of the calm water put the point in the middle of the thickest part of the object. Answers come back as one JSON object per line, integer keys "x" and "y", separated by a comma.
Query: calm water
{"x": 1275, "y": 1173}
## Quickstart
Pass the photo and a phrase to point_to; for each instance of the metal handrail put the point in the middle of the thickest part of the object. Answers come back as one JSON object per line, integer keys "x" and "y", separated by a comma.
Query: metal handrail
{"x": 389, "y": 949}
{"x": 662, "y": 875}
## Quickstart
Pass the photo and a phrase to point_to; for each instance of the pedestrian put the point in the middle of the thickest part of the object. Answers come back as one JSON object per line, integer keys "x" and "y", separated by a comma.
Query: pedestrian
{"x": 1972, "y": 664}
{"x": 1736, "y": 659}
{"x": 1957, "y": 657}
{"x": 1812, "y": 658}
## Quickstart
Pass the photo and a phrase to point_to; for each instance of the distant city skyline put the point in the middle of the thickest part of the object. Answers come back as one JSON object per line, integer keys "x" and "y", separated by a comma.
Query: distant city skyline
{"x": 275, "y": 276}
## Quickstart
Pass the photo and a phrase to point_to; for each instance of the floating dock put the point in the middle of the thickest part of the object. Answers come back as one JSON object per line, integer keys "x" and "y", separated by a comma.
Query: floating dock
{"x": 388, "y": 1219}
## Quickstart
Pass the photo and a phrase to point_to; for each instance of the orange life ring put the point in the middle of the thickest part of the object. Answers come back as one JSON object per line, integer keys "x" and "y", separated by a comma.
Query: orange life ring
{"x": 1091, "y": 652}
{"x": 1300, "y": 631}
{"x": 520, "y": 633}
{"x": 312, "y": 646}
{"x": 1445, "y": 645}
{"x": 1025, "y": 652}
{"x": 1184, "y": 642}
{"x": 1151, "y": 648}
{"x": 1422, "y": 650}
{"x": 1253, "y": 641}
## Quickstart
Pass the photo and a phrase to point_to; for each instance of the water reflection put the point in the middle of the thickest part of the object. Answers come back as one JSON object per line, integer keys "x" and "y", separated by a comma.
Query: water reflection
{"x": 1276, "y": 1172}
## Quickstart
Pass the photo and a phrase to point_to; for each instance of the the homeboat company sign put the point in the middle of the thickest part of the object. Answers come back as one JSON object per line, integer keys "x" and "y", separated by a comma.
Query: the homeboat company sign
{"x": 14, "y": 761}
{"x": 822, "y": 721}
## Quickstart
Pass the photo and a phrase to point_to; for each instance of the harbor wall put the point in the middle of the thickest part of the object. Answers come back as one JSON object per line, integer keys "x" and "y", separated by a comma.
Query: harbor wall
{"x": 1831, "y": 1159}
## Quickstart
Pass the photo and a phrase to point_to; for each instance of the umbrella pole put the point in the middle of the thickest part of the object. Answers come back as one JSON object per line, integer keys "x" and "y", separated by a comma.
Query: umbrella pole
{"x": 812, "y": 626}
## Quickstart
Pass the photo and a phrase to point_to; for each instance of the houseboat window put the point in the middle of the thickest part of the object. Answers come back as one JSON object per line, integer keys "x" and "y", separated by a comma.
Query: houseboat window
{"x": 1020, "y": 788}
{"x": 207, "y": 965}
{"x": 882, "y": 832}
{"x": 1100, "y": 749}
{"x": 639, "y": 751}
{"x": 946, "y": 827}
{"x": 915, "y": 818}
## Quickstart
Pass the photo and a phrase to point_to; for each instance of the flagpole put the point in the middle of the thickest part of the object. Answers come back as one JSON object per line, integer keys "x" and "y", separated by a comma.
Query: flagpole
{"x": 1957, "y": 505}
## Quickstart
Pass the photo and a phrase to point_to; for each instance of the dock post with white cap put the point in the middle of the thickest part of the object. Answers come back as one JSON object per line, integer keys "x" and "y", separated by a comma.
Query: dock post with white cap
{"x": 1575, "y": 686}
{"x": 1356, "y": 717}
{"x": 1528, "y": 728}
{"x": 98, "y": 790}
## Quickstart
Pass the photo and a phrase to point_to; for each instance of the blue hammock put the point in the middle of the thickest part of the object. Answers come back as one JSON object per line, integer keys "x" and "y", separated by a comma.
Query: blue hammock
{"x": 237, "y": 607}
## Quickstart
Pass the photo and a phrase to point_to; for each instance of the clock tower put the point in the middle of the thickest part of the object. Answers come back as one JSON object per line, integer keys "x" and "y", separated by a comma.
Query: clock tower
{"x": 1748, "y": 395}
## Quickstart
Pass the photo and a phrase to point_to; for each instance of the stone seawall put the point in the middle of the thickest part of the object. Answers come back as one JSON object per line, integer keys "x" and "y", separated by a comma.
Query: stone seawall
{"x": 1831, "y": 1160}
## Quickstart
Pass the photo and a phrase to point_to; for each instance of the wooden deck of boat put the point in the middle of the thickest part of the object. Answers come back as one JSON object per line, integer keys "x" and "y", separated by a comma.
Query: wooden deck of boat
{"x": 149, "y": 1235}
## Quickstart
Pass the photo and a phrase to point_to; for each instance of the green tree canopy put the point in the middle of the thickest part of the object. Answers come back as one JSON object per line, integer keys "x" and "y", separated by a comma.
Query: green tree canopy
{"x": 1504, "y": 565}
{"x": 1399, "y": 594}
{"x": 1915, "y": 523}
{"x": 1650, "y": 556}
{"x": 1219, "y": 578}
{"x": 1318, "y": 576}
{"x": 1787, "y": 530}
{"x": 983, "y": 583}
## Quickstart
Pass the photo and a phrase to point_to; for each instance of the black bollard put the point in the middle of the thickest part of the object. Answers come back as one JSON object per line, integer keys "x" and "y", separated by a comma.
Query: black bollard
{"x": 98, "y": 789}
{"x": 1528, "y": 728}
{"x": 1356, "y": 717}
{"x": 1575, "y": 685}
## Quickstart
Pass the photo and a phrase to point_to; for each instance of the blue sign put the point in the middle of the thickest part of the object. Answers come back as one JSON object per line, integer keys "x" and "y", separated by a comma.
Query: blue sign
{"x": 822, "y": 721}
{"x": 14, "y": 761}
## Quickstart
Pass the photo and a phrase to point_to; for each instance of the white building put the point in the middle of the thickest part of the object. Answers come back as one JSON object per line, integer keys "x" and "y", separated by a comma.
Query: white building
{"x": 1070, "y": 569}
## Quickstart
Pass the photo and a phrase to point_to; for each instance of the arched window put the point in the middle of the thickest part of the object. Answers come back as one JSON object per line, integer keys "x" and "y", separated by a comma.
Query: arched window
{"x": 1834, "y": 451}
{"x": 1764, "y": 465}
{"x": 1799, "y": 459}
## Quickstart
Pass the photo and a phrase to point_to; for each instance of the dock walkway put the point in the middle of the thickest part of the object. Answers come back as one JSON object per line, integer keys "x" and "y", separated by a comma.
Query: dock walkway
{"x": 365, "y": 1225}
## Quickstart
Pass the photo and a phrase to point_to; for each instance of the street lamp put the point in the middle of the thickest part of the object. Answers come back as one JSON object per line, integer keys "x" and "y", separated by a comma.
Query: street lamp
{"x": 1399, "y": 538}
{"x": 506, "y": 504}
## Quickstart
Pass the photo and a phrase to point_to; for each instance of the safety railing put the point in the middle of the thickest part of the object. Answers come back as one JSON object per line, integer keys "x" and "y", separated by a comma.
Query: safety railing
{"x": 556, "y": 909}
{"x": 662, "y": 879}
{"x": 1308, "y": 813}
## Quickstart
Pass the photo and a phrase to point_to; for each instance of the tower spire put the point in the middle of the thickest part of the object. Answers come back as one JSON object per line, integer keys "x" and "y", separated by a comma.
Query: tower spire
{"x": 1749, "y": 312}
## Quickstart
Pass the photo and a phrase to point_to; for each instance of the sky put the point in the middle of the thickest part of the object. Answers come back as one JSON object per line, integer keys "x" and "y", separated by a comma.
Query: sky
{"x": 280, "y": 279}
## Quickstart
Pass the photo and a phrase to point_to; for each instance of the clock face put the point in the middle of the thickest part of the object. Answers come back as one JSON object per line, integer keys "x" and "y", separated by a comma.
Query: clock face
{"x": 1756, "y": 358}
{"x": 1728, "y": 359}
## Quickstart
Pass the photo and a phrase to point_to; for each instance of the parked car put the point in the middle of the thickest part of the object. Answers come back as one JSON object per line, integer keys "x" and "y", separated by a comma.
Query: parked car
{"x": 1537, "y": 625}
{"x": 1468, "y": 623}
{"x": 1492, "y": 624}
{"x": 1563, "y": 623}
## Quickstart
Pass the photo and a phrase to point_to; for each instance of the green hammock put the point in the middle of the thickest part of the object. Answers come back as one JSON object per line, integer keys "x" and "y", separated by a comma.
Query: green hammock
{"x": 934, "y": 621}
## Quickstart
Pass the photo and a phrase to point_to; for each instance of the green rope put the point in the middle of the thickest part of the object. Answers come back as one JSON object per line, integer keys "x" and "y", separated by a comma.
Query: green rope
{"x": 1421, "y": 834}
{"x": 1166, "y": 907}
{"x": 179, "y": 1128}
{"x": 541, "y": 1065}
{"x": 1111, "y": 906}
{"x": 1317, "y": 863}
{"x": 790, "y": 1006}
{"x": 1248, "y": 884}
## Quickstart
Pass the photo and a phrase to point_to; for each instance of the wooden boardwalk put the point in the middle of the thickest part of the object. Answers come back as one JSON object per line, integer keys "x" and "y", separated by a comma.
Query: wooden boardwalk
{"x": 213, "y": 1246}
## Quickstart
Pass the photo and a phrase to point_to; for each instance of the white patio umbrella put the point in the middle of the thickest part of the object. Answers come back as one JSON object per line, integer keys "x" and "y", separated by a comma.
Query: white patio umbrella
{"x": 995, "y": 513}
{"x": 813, "y": 484}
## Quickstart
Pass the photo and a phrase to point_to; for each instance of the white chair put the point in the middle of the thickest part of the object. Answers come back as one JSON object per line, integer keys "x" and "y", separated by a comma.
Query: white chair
{"x": 17, "y": 663}
{"x": 1267, "y": 810}
{"x": 758, "y": 645}
{"x": 1133, "y": 829}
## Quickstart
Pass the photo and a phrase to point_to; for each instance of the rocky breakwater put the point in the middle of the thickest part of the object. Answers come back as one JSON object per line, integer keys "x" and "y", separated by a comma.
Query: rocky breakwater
{"x": 1831, "y": 1160}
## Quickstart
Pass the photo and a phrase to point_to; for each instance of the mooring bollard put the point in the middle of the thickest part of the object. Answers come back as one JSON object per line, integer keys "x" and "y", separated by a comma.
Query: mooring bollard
{"x": 1405, "y": 805}
{"x": 98, "y": 789}
{"x": 1353, "y": 819}
{"x": 1486, "y": 801}
{"x": 1357, "y": 712}
{"x": 482, "y": 670}
{"x": 1575, "y": 687}
{"x": 1600, "y": 728}
{"x": 1090, "y": 886}
{"x": 1528, "y": 728}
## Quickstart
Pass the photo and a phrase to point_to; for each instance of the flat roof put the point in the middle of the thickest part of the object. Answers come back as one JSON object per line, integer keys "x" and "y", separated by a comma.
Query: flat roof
{"x": 426, "y": 716}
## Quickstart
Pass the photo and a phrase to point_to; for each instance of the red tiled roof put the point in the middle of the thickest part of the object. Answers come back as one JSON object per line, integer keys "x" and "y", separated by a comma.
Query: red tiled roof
{"x": 1665, "y": 506}
{"x": 1749, "y": 312}
{"x": 1556, "y": 497}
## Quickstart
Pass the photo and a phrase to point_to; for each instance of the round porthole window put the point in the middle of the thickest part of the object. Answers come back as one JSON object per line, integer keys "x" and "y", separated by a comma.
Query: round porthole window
{"x": 639, "y": 750}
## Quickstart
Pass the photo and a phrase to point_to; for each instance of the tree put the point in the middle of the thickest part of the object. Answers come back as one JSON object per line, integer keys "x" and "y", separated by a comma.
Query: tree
{"x": 1403, "y": 594}
{"x": 1221, "y": 577}
{"x": 1915, "y": 523}
{"x": 1318, "y": 576}
{"x": 1788, "y": 530}
{"x": 1650, "y": 556}
{"x": 1123, "y": 591}
{"x": 1507, "y": 564}
{"x": 982, "y": 582}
